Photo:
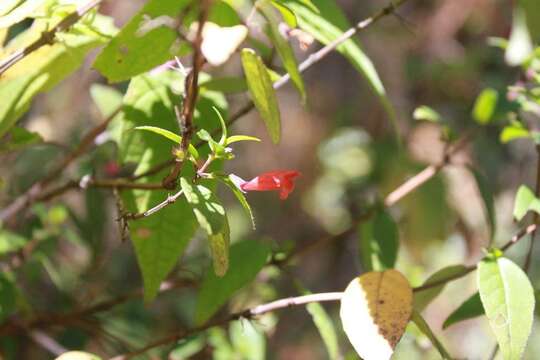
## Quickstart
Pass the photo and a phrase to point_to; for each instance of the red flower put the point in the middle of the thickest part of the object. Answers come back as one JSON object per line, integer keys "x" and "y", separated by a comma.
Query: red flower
{"x": 282, "y": 180}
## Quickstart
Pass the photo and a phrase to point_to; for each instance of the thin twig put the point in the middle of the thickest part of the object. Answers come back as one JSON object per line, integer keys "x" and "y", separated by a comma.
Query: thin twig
{"x": 319, "y": 55}
{"x": 288, "y": 302}
{"x": 247, "y": 314}
{"x": 47, "y": 342}
{"x": 185, "y": 117}
{"x": 423, "y": 176}
{"x": 47, "y": 37}
{"x": 168, "y": 201}
{"x": 14, "y": 326}
{"x": 26, "y": 199}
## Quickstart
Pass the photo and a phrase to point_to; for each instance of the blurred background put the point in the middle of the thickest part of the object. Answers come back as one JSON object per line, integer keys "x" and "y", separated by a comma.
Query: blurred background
{"x": 434, "y": 53}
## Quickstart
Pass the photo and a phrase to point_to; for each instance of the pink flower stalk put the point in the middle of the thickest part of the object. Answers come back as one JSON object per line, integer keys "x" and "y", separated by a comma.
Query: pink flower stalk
{"x": 282, "y": 180}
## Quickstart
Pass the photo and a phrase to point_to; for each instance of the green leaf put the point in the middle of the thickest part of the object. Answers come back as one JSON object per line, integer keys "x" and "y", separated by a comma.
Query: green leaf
{"x": 240, "y": 196}
{"x": 424, "y": 327}
{"x": 223, "y": 126}
{"x": 43, "y": 69}
{"x": 484, "y": 106}
{"x": 159, "y": 239}
{"x": 219, "y": 249}
{"x": 107, "y": 99}
{"x": 379, "y": 242}
{"x": 212, "y": 218}
{"x": 508, "y": 299}
{"x": 513, "y": 132}
{"x": 149, "y": 39}
{"x": 248, "y": 342}
{"x": 520, "y": 44}
{"x": 237, "y": 138}
{"x": 169, "y": 135}
{"x": 18, "y": 139}
{"x": 10, "y": 241}
{"x": 165, "y": 133}
{"x": 246, "y": 260}
{"x": 228, "y": 85}
{"x": 426, "y": 113}
{"x": 326, "y": 328}
{"x": 471, "y": 308}
{"x": 329, "y": 23}
{"x": 288, "y": 14}
{"x": 487, "y": 198}
{"x": 284, "y": 50}
{"x": 223, "y": 14}
{"x": 423, "y": 298}
{"x": 262, "y": 92}
{"x": 8, "y": 296}
{"x": 525, "y": 201}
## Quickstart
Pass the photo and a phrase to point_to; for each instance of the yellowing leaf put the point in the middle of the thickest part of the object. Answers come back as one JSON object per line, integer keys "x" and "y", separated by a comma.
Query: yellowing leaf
{"x": 262, "y": 92}
{"x": 375, "y": 310}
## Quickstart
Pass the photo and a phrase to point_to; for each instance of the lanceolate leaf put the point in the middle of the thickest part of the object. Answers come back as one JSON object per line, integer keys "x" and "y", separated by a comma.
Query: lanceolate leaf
{"x": 212, "y": 218}
{"x": 426, "y": 113}
{"x": 45, "y": 68}
{"x": 246, "y": 260}
{"x": 375, "y": 310}
{"x": 471, "y": 308}
{"x": 169, "y": 135}
{"x": 240, "y": 196}
{"x": 324, "y": 324}
{"x": 379, "y": 242}
{"x": 487, "y": 197}
{"x": 148, "y": 40}
{"x": 424, "y": 297}
{"x": 508, "y": 299}
{"x": 236, "y": 138}
{"x": 424, "y": 327}
{"x": 262, "y": 92}
{"x": 328, "y": 24}
{"x": 284, "y": 50}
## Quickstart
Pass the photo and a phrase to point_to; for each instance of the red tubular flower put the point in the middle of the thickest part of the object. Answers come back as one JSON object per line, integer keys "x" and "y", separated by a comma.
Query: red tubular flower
{"x": 282, "y": 180}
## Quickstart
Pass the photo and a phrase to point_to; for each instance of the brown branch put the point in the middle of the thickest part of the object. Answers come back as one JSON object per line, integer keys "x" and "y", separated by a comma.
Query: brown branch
{"x": 428, "y": 173}
{"x": 185, "y": 117}
{"x": 327, "y": 49}
{"x": 47, "y": 37}
{"x": 47, "y": 342}
{"x": 168, "y": 201}
{"x": 15, "y": 326}
{"x": 35, "y": 192}
{"x": 247, "y": 314}
{"x": 27, "y": 198}
{"x": 295, "y": 301}
{"x": 514, "y": 240}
